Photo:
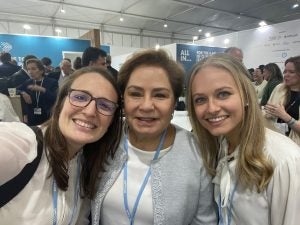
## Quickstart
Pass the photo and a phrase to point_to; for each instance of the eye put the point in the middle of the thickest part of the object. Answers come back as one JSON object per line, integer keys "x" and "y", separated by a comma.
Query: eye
{"x": 105, "y": 105}
{"x": 135, "y": 94}
{"x": 223, "y": 94}
{"x": 80, "y": 97}
{"x": 161, "y": 95}
{"x": 199, "y": 100}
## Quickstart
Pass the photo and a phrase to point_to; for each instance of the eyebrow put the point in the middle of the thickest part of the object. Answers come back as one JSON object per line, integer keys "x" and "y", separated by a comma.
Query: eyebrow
{"x": 154, "y": 89}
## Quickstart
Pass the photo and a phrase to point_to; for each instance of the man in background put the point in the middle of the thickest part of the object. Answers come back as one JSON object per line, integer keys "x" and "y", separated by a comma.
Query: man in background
{"x": 235, "y": 52}
{"x": 7, "y": 68}
{"x": 65, "y": 70}
{"x": 112, "y": 70}
{"x": 94, "y": 57}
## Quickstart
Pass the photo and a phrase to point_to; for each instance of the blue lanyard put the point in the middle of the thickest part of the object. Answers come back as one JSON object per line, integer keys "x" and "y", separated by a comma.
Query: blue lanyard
{"x": 229, "y": 215}
{"x": 76, "y": 194}
{"x": 131, "y": 215}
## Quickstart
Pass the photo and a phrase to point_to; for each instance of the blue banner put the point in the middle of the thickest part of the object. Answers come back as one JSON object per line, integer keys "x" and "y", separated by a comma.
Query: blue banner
{"x": 188, "y": 55}
{"x": 21, "y": 45}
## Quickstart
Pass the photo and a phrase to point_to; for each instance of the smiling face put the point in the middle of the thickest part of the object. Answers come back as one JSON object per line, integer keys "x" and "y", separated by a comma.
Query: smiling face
{"x": 148, "y": 102}
{"x": 217, "y": 102}
{"x": 86, "y": 125}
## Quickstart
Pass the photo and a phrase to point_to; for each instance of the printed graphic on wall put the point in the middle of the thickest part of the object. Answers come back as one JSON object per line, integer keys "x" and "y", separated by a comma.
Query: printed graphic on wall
{"x": 21, "y": 45}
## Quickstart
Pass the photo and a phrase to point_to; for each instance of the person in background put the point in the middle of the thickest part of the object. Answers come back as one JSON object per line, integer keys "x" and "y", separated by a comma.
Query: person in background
{"x": 7, "y": 112}
{"x": 65, "y": 71}
{"x": 93, "y": 56}
{"x": 235, "y": 52}
{"x": 47, "y": 62}
{"x": 259, "y": 83}
{"x": 112, "y": 70}
{"x": 283, "y": 107}
{"x": 83, "y": 131}
{"x": 77, "y": 63}
{"x": 273, "y": 75}
{"x": 39, "y": 93}
{"x": 7, "y": 68}
{"x": 157, "y": 175}
{"x": 255, "y": 168}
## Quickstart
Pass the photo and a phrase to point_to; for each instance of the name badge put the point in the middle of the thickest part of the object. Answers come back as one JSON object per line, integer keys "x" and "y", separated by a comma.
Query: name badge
{"x": 37, "y": 111}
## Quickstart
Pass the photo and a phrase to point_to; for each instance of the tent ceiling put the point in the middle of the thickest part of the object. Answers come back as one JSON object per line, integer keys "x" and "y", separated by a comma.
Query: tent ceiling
{"x": 184, "y": 17}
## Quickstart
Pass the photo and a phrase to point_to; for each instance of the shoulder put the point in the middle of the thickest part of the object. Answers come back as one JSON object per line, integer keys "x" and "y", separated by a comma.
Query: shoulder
{"x": 279, "y": 148}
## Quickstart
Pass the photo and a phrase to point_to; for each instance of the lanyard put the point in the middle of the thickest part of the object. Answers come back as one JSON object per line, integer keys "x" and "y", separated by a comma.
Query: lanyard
{"x": 131, "y": 215}
{"x": 229, "y": 215}
{"x": 37, "y": 94}
{"x": 76, "y": 194}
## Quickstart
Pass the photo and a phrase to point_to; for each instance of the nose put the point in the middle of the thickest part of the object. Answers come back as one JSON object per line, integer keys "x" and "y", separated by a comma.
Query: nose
{"x": 147, "y": 103}
{"x": 213, "y": 106}
{"x": 91, "y": 108}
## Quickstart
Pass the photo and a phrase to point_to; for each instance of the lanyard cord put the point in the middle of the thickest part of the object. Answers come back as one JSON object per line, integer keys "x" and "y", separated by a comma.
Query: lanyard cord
{"x": 229, "y": 215}
{"x": 76, "y": 194}
{"x": 131, "y": 215}
{"x": 37, "y": 93}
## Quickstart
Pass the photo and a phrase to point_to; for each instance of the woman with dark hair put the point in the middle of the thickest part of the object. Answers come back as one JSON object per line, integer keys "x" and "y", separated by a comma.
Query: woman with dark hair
{"x": 283, "y": 107}
{"x": 157, "y": 176}
{"x": 77, "y": 63}
{"x": 82, "y": 133}
{"x": 273, "y": 75}
{"x": 39, "y": 93}
{"x": 256, "y": 170}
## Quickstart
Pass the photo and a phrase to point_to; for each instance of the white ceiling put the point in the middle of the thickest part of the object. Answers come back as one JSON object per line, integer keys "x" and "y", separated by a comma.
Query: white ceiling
{"x": 184, "y": 17}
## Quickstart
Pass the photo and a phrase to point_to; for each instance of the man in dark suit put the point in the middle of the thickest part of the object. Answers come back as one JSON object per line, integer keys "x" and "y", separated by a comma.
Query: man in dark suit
{"x": 65, "y": 70}
{"x": 7, "y": 68}
{"x": 112, "y": 70}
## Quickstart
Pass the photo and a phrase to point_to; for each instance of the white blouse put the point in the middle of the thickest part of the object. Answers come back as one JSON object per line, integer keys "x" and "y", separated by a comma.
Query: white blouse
{"x": 34, "y": 204}
{"x": 278, "y": 204}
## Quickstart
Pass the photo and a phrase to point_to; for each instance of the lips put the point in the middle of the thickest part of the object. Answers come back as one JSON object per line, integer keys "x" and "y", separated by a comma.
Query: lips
{"x": 84, "y": 124}
{"x": 216, "y": 119}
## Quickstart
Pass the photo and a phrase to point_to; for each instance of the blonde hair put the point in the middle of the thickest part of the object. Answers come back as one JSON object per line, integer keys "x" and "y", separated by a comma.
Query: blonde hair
{"x": 253, "y": 168}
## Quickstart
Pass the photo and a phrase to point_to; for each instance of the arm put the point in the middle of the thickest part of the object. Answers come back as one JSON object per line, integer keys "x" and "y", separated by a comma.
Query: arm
{"x": 18, "y": 148}
{"x": 284, "y": 193}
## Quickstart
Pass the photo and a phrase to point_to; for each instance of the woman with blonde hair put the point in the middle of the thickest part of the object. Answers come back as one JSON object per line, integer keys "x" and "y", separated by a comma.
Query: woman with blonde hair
{"x": 254, "y": 167}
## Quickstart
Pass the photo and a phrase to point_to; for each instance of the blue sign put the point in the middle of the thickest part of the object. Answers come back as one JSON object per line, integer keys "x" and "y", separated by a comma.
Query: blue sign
{"x": 105, "y": 48}
{"x": 188, "y": 55}
{"x": 21, "y": 45}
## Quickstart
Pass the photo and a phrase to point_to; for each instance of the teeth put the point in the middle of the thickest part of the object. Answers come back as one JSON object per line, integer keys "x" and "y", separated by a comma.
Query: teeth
{"x": 84, "y": 124}
{"x": 217, "y": 119}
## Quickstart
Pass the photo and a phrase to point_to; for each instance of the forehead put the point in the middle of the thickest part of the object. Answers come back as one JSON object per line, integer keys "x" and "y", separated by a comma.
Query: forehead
{"x": 96, "y": 84}
{"x": 149, "y": 76}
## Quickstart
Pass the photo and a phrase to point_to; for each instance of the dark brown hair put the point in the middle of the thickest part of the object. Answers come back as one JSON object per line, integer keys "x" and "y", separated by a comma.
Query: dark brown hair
{"x": 95, "y": 154}
{"x": 38, "y": 63}
{"x": 151, "y": 57}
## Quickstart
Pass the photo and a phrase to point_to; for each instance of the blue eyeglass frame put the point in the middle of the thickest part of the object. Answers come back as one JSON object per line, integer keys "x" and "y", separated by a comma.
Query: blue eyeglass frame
{"x": 91, "y": 99}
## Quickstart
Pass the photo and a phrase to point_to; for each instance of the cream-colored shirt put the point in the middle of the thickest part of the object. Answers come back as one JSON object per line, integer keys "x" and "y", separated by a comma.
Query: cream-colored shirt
{"x": 260, "y": 89}
{"x": 279, "y": 203}
{"x": 7, "y": 112}
{"x": 33, "y": 205}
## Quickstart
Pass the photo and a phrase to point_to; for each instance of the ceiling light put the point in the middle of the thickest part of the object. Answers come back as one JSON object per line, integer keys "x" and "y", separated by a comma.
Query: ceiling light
{"x": 226, "y": 41}
{"x": 27, "y": 27}
{"x": 157, "y": 46}
{"x": 207, "y": 35}
{"x": 62, "y": 10}
{"x": 296, "y": 5}
{"x": 121, "y": 19}
{"x": 195, "y": 38}
{"x": 165, "y": 25}
{"x": 262, "y": 23}
{"x": 200, "y": 30}
{"x": 57, "y": 30}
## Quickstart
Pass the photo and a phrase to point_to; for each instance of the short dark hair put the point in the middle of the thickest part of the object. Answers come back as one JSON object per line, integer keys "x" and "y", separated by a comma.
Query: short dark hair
{"x": 5, "y": 57}
{"x": 92, "y": 54}
{"x": 28, "y": 57}
{"x": 46, "y": 61}
{"x": 38, "y": 63}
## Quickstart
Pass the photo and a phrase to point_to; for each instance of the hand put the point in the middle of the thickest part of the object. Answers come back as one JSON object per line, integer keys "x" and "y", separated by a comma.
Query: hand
{"x": 26, "y": 98}
{"x": 277, "y": 111}
{"x": 36, "y": 88}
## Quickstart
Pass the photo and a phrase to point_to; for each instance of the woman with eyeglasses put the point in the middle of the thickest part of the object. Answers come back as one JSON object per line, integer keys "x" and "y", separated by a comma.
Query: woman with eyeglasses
{"x": 157, "y": 175}
{"x": 82, "y": 133}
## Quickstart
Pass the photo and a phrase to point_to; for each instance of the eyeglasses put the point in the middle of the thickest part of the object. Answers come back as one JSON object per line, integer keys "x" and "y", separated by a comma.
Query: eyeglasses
{"x": 83, "y": 99}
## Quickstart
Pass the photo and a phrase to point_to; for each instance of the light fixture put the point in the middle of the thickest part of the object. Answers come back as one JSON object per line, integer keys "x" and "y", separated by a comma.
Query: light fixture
{"x": 165, "y": 25}
{"x": 296, "y": 5}
{"x": 195, "y": 38}
{"x": 157, "y": 46}
{"x": 121, "y": 19}
{"x": 200, "y": 30}
{"x": 26, "y": 27}
{"x": 62, "y": 10}
{"x": 226, "y": 41}
{"x": 58, "y": 31}
{"x": 207, "y": 35}
{"x": 262, "y": 23}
